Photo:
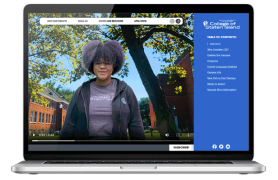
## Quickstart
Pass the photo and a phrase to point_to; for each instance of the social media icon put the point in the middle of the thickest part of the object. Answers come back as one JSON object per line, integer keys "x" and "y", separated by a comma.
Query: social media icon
{"x": 228, "y": 146}
{"x": 221, "y": 146}
{"x": 214, "y": 146}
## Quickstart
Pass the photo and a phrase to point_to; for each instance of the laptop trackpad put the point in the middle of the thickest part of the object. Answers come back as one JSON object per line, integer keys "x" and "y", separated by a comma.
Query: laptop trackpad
{"x": 138, "y": 167}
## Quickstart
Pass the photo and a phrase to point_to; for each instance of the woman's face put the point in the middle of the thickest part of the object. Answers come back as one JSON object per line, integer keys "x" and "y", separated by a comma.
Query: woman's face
{"x": 103, "y": 69}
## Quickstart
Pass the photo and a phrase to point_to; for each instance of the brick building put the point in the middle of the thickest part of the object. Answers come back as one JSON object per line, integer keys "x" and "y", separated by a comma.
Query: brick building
{"x": 181, "y": 104}
{"x": 47, "y": 120}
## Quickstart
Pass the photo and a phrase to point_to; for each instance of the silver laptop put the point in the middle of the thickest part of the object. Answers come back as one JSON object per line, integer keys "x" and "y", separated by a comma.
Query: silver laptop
{"x": 138, "y": 89}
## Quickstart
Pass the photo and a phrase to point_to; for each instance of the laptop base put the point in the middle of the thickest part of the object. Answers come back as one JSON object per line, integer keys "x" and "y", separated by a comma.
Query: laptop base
{"x": 39, "y": 167}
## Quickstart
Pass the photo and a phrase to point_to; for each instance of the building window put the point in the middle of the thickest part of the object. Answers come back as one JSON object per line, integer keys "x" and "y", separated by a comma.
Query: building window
{"x": 54, "y": 119}
{"x": 54, "y": 105}
{"x": 46, "y": 119}
{"x": 33, "y": 101}
{"x": 34, "y": 131}
{"x": 48, "y": 131}
{"x": 42, "y": 118}
{"x": 39, "y": 132}
{"x": 49, "y": 119}
{"x": 30, "y": 132}
{"x": 31, "y": 120}
{"x": 35, "y": 118}
{"x": 42, "y": 131}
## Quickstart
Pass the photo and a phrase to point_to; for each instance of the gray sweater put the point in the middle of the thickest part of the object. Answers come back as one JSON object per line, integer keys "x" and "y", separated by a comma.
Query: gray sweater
{"x": 125, "y": 114}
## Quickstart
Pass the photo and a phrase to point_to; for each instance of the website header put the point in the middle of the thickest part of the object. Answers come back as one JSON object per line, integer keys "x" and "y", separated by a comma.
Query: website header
{"x": 111, "y": 21}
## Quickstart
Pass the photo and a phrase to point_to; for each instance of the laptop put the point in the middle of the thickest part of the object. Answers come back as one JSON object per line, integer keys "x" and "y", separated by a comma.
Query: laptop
{"x": 138, "y": 89}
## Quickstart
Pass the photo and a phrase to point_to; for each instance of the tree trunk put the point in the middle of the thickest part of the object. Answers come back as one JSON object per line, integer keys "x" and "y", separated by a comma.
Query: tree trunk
{"x": 163, "y": 114}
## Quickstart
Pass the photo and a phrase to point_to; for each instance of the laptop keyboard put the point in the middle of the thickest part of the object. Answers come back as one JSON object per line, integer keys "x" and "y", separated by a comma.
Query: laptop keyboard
{"x": 138, "y": 162}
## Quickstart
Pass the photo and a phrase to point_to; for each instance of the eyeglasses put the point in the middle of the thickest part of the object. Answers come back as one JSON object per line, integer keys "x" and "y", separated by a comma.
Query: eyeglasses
{"x": 104, "y": 63}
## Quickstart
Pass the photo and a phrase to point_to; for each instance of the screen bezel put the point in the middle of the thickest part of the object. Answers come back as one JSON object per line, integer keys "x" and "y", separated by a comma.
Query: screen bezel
{"x": 139, "y": 8}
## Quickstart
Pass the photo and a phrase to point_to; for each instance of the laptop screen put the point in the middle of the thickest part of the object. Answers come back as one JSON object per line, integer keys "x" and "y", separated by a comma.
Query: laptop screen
{"x": 138, "y": 82}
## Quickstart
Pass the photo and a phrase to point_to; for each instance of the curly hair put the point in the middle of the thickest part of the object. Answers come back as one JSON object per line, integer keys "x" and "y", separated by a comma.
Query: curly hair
{"x": 111, "y": 51}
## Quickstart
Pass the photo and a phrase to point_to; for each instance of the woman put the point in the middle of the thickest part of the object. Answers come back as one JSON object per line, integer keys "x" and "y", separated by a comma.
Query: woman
{"x": 103, "y": 107}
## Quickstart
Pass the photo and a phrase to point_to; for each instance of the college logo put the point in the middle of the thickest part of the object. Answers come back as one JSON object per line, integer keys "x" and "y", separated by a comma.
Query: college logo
{"x": 123, "y": 100}
{"x": 221, "y": 24}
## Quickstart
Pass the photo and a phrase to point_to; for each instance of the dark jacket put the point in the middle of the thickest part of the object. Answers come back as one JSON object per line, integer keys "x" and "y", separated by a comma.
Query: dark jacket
{"x": 125, "y": 114}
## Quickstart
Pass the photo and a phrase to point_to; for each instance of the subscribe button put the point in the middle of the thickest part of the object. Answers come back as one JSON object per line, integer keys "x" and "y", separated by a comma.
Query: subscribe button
{"x": 181, "y": 147}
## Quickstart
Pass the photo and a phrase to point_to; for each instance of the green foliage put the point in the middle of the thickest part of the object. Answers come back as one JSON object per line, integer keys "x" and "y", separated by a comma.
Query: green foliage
{"x": 47, "y": 43}
{"x": 173, "y": 71}
{"x": 178, "y": 89}
{"x": 169, "y": 42}
{"x": 145, "y": 110}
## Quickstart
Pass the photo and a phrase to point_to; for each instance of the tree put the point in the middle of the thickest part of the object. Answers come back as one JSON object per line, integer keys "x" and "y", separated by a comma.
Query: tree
{"x": 145, "y": 110}
{"x": 173, "y": 40}
{"x": 47, "y": 43}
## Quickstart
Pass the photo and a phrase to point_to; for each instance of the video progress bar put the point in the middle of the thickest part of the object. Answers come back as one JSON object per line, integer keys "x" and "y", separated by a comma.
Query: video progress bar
{"x": 53, "y": 140}
{"x": 105, "y": 140}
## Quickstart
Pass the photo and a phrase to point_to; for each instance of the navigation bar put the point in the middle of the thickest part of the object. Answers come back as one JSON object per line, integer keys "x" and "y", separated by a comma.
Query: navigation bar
{"x": 111, "y": 21}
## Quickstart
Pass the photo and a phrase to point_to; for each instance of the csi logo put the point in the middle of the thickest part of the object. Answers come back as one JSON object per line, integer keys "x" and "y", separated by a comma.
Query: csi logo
{"x": 205, "y": 23}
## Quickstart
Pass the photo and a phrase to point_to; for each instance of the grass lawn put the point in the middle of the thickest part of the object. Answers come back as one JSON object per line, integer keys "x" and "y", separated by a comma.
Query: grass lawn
{"x": 44, "y": 137}
{"x": 156, "y": 136}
